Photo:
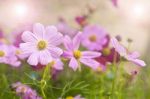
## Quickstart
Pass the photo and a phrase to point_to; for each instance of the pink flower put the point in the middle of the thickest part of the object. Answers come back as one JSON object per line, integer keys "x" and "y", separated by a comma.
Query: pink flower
{"x": 65, "y": 29}
{"x": 57, "y": 64}
{"x": 115, "y": 2}
{"x": 75, "y": 55}
{"x": 7, "y": 55}
{"x": 133, "y": 57}
{"x": 41, "y": 45}
{"x": 94, "y": 37}
{"x": 81, "y": 20}
{"x": 25, "y": 91}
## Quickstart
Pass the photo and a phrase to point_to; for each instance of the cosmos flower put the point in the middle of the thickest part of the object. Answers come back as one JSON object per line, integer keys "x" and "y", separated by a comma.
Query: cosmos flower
{"x": 81, "y": 20}
{"x": 24, "y": 91}
{"x": 41, "y": 45}
{"x": 8, "y": 56}
{"x": 76, "y": 56}
{"x": 65, "y": 29}
{"x": 57, "y": 64}
{"x": 130, "y": 56}
{"x": 115, "y": 2}
{"x": 94, "y": 37}
{"x": 107, "y": 57}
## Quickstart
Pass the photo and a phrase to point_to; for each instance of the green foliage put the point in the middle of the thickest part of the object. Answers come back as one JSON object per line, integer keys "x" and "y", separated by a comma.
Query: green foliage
{"x": 87, "y": 83}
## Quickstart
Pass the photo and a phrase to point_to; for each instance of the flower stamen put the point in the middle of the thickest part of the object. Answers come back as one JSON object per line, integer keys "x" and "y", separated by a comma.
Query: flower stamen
{"x": 2, "y": 53}
{"x": 93, "y": 38}
{"x": 77, "y": 54}
{"x": 42, "y": 45}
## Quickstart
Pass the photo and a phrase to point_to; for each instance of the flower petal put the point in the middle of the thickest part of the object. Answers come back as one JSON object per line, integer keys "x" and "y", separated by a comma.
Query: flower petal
{"x": 67, "y": 54}
{"x": 28, "y": 36}
{"x": 58, "y": 65}
{"x": 73, "y": 64}
{"x": 56, "y": 52}
{"x": 54, "y": 37}
{"x": 68, "y": 43}
{"x": 90, "y": 54}
{"x": 39, "y": 30}
{"x": 28, "y": 47}
{"x": 45, "y": 57}
{"x": 134, "y": 55}
{"x": 138, "y": 62}
{"x": 33, "y": 59}
{"x": 118, "y": 47}
{"x": 77, "y": 40}
{"x": 90, "y": 62}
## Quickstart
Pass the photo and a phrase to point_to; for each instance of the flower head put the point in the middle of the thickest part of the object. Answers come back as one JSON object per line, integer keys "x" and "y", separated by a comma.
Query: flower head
{"x": 81, "y": 20}
{"x": 114, "y": 2}
{"x": 41, "y": 45}
{"x": 25, "y": 91}
{"x": 75, "y": 55}
{"x": 65, "y": 29}
{"x": 130, "y": 56}
{"x": 8, "y": 56}
{"x": 94, "y": 37}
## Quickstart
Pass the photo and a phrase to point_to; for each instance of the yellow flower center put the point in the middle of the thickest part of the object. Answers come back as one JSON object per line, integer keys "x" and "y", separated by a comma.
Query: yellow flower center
{"x": 18, "y": 52}
{"x": 93, "y": 38}
{"x": 106, "y": 51}
{"x": 2, "y": 53}
{"x": 69, "y": 97}
{"x": 77, "y": 54}
{"x": 42, "y": 45}
{"x": 52, "y": 63}
{"x": 23, "y": 89}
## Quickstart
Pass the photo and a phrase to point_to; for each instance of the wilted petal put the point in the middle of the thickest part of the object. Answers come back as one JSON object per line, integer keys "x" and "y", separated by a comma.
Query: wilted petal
{"x": 73, "y": 64}
{"x": 38, "y": 29}
{"x": 90, "y": 62}
{"x": 90, "y": 54}
{"x": 33, "y": 59}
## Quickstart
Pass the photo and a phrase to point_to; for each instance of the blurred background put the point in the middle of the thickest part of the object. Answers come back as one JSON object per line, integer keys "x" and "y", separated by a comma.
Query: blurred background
{"x": 130, "y": 19}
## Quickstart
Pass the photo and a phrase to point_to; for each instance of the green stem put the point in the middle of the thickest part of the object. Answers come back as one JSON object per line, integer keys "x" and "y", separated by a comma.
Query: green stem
{"x": 114, "y": 81}
{"x": 115, "y": 68}
{"x": 44, "y": 79}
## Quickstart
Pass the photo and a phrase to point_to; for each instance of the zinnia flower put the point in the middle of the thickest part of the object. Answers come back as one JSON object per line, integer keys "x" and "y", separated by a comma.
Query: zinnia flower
{"x": 94, "y": 37}
{"x": 41, "y": 45}
{"x": 76, "y": 56}
{"x": 133, "y": 57}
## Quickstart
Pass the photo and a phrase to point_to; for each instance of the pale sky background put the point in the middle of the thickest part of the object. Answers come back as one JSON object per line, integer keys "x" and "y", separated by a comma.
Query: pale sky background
{"x": 130, "y": 20}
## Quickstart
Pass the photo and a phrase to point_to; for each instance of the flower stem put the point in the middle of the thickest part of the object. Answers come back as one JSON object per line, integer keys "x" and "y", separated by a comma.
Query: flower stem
{"x": 44, "y": 79}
